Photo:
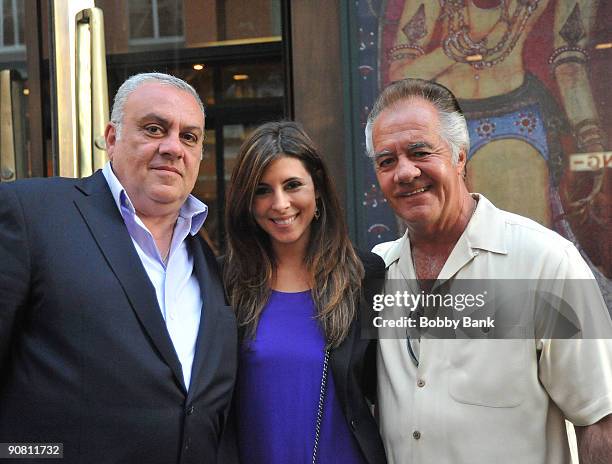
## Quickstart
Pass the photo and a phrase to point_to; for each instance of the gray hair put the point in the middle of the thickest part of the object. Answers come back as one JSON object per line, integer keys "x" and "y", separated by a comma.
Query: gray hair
{"x": 453, "y": 126}
{"x": 136, "y": 81}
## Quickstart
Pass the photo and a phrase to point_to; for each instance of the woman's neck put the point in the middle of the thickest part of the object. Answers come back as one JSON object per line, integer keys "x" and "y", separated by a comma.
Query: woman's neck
{"x": 291, "y": 273}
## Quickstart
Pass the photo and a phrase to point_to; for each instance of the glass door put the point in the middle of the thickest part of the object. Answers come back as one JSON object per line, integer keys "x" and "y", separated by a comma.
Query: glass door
{"x": 19, "y": 133}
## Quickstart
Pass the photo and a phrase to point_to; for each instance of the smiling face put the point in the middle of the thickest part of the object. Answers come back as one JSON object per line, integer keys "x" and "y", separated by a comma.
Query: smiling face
{"x": 157, "y": 156}
{"x": 414, "y": 168}
{"x": 285, "y": 203}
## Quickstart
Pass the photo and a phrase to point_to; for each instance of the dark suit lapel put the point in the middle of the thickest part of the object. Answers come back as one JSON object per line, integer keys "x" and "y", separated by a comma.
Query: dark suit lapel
{"x": 100, "y": 212}
{"x": 213, "y": 299}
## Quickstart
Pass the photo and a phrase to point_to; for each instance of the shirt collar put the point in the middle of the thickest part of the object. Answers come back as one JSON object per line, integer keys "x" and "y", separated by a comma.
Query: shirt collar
{"x": 487, "y": 227}
{"x": 192, "y": 209}
{"x": 486, "y": 230}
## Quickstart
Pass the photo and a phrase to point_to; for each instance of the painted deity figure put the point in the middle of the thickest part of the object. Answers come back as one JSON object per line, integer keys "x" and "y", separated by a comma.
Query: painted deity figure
{"x": 477, "y": 49}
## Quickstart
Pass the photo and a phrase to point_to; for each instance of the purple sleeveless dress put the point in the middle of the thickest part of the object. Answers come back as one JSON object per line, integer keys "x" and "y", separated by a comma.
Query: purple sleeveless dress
{"x": 279, "y": 380}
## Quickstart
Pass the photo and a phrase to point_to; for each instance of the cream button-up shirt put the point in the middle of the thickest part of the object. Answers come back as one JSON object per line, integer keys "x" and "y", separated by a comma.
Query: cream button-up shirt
{"x": 491, "y": 401}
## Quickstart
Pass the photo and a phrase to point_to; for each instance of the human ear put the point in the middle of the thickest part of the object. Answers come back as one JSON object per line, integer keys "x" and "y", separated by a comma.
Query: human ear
{"x": 110, "y": 138}
{"x": 461, "y": 162}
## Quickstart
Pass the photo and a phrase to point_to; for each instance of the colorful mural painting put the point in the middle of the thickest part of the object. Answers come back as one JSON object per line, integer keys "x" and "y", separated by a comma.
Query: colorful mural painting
{"x": 532, "y": 77}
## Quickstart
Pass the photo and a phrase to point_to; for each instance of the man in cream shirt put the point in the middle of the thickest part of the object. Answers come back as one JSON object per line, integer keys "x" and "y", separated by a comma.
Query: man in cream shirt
{"x": 475, "y": 401}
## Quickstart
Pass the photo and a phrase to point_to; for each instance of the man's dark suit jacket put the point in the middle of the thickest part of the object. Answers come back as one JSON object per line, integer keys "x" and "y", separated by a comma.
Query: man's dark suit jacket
{"x": 353, "y": 366}
{"x": 85, "y": 356}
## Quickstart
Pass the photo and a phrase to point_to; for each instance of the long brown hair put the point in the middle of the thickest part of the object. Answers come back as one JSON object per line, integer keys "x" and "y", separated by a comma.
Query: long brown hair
{"x": 336, "y": 271}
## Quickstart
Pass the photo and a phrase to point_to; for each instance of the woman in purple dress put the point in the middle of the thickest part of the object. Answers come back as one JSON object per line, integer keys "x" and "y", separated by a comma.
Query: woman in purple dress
{"x": 298, "y": 288}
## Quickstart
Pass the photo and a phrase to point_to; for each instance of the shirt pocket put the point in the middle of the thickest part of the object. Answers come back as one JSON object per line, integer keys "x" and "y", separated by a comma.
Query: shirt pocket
{"x": 491, "y": 373}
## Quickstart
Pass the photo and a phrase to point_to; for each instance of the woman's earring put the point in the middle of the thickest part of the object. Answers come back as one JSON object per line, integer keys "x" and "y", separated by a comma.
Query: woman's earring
{"x": 317, "y": 213}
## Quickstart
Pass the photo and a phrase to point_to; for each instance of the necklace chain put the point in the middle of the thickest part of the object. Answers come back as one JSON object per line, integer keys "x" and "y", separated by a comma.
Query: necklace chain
{"x": 458, "y": 44}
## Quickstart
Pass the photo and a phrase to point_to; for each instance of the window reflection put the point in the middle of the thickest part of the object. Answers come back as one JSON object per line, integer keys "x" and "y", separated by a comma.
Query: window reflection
{"x": 11, "y": 26}
{"x": 200, "y": 79}
{"x": 255, "y": 18}
{"x": 170, "y": 18}
{"x": 155, "y": 24}
{"x": 253, "y": 81}
{"x": 141, "y": 19}
{"x": 155, "y": 21}
{"x": 233, "y": 136}
{"x": 206, "y": 188}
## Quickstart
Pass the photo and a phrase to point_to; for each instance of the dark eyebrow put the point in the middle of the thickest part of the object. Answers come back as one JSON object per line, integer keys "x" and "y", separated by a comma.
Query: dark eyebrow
{"x": 163, "y": 121}
{"x": 196, "y": 129}
{"x": 154, "y": 117}
{"x": 290, "y": 179}
{"x": 382, "y": 153}
{"x": 417, "y": 145}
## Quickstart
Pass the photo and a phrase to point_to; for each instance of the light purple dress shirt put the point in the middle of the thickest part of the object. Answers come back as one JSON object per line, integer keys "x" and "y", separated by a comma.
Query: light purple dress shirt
{"x": 176, "y": 286}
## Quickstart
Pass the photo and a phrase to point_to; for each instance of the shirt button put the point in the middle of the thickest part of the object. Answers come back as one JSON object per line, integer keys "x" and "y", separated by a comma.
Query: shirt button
{"x": 416, "y": 434}
{"x": 420, "y": 383}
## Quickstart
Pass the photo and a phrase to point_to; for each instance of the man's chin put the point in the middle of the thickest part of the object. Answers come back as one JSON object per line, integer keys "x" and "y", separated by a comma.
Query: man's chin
{"x": 414, "y": 220}
{"x": 167, "y": 194}
{"x": 415, "y": 214}
{"x": 159, "y": 203}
